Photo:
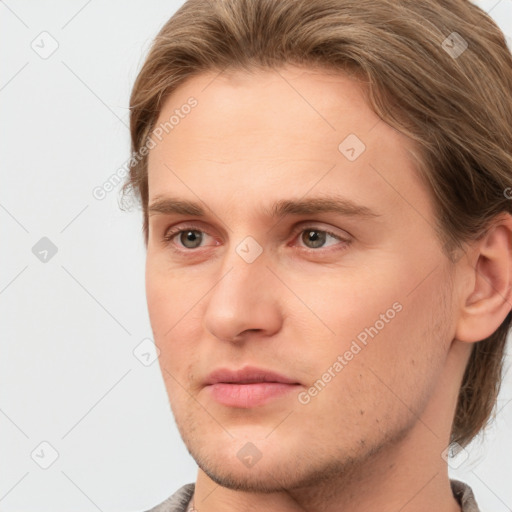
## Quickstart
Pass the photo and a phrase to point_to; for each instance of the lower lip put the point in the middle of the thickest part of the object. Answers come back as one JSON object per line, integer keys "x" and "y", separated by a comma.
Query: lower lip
{"x": 249, "y": 395}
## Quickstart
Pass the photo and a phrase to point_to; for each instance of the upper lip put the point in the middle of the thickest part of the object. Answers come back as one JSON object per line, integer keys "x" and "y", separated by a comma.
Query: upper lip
{"x": 246, "y": 375}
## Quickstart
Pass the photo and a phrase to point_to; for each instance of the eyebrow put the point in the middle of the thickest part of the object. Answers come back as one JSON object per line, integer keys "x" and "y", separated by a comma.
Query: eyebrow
{"x": 310, "y": 206}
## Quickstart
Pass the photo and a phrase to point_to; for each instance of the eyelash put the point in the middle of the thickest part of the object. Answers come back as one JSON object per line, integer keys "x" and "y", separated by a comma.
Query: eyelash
{"x": 173, "y": 232}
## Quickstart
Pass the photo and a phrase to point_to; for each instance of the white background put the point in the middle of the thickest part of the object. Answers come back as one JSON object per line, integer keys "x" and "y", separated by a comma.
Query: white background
{"x": 68, "y": 375}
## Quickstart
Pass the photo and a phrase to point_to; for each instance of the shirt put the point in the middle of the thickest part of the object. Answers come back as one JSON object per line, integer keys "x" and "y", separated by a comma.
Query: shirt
{"x": 179, "y": 501}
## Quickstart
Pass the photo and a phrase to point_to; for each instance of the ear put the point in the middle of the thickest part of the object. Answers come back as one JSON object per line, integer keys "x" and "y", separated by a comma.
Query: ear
{"x": 488, "y": 299}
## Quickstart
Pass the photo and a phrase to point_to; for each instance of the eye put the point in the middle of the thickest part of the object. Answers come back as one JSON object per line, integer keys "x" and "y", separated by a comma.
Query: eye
{"x": 185, "y": 238}
{"x": 314, "y": 238}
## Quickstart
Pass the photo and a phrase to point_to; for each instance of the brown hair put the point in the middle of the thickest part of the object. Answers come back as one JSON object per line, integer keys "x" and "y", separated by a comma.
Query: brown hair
{"x": 456, "y": 106}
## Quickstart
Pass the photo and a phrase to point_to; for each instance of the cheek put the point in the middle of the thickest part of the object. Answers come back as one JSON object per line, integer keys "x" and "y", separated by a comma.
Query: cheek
{"x": 407, "y": 354}
{"x": 159, "y": 301}
{"x": 175, "y": 312}
{"x": 169, "y": 293}
{"x": 165, "y": 304}
{"x": 388, "y": 369}
{"x": 383, "y": 317}
{"x": 347, "y": 301}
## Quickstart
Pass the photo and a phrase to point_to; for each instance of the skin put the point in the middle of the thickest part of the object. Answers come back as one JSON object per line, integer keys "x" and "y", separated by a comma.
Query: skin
{"x": 373, "y": 437}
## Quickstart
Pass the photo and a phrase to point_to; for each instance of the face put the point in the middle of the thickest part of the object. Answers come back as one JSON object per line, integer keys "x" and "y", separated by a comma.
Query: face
{"x": 289, "y": 232}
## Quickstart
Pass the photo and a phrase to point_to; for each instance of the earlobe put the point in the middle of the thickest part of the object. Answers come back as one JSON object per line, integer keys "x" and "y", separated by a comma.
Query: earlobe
{"x": 489, "y": 301}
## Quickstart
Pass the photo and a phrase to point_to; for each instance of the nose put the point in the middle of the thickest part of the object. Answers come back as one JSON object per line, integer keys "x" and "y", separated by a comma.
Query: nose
{"x": 244, "y": 300}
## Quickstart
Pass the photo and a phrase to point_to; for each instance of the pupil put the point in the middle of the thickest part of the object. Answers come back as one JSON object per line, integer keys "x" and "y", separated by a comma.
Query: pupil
{"x": 314, "y": 239}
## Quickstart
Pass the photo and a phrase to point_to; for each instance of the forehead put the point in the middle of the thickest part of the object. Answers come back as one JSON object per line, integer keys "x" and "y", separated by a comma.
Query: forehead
{"x": 292, "y": 103}
{"x": 277, "y": 131}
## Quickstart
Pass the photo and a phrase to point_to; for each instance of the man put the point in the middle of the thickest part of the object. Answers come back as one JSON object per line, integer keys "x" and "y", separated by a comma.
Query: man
{"x": 328, "y": 234}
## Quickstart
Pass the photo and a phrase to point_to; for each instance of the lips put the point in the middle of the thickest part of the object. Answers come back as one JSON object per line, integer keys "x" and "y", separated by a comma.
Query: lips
{"x": 246, "y": 375}
{"x": 248, "y": 387}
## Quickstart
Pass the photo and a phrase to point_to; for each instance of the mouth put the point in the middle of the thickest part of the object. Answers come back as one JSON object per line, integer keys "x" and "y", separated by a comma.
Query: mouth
{"x": 248, "y": 387}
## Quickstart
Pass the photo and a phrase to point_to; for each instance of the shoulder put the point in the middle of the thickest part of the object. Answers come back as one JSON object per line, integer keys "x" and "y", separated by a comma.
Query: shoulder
{"x": 177, "y": 502}
{"x": 464, "y": 496}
